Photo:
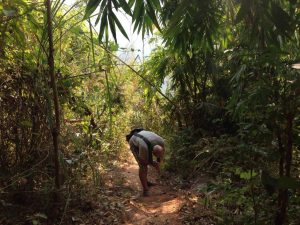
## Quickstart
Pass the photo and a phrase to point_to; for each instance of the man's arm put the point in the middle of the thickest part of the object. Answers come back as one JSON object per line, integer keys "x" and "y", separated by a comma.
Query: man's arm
{"x": 158, "y": 151}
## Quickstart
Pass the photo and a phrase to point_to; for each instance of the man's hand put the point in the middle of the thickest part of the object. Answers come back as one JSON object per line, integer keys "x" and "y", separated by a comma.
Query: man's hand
{"x": 156, "y": 165}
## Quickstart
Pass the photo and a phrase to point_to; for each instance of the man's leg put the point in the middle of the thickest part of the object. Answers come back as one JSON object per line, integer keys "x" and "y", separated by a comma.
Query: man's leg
{"x": 143, "y": 169}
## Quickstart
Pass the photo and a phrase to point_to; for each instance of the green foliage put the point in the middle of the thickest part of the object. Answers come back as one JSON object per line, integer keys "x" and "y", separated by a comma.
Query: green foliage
{"x": 245, "y": 89}
{"x": 93, "y": 128}
{"x": 203, "y": 17}
{"x": 143, "y": 15}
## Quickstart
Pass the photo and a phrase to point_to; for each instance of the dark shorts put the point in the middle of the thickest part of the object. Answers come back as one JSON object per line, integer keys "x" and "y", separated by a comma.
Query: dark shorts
{"x": 135, "y": 152}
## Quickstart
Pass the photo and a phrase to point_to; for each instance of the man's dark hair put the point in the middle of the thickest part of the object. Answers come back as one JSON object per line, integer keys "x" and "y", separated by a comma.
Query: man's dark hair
{"x": 132, "y": 132}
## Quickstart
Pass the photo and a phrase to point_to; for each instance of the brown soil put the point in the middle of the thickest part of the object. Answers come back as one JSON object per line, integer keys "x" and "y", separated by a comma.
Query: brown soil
{"x": 161, "y": 207}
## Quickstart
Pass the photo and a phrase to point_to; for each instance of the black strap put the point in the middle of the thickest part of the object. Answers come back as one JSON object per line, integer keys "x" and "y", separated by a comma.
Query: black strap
{"x": 150, "y": 147}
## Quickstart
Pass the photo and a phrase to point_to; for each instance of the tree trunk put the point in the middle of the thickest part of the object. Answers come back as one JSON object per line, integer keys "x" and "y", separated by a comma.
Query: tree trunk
{"x": 55, "y": 127}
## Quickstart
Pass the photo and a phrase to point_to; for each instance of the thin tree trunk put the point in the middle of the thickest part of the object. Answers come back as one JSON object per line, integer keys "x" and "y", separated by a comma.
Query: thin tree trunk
{"x": 289, "y": 145}
{"x": 283, "y": 193}
{"x": 282, "y": 205}
{"x": 56, "y": 126}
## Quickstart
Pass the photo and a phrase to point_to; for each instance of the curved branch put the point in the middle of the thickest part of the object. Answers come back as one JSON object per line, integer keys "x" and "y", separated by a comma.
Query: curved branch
{"x": 141, "y": 76}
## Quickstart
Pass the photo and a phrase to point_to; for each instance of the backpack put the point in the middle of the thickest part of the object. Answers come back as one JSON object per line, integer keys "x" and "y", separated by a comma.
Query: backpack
{"x": 132, "y": 132}
{"x": 149, "y": 145}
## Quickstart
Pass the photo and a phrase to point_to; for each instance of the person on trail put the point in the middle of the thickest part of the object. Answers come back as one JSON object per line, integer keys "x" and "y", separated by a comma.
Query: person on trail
{"x": 144, "y": 144}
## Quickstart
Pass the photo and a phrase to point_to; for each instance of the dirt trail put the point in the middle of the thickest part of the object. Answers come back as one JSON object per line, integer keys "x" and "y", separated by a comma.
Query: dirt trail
{"x": 160, "y": 208}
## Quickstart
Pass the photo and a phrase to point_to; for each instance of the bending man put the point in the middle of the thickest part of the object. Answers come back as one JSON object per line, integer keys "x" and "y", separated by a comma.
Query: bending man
{"x": 144, "y": 144}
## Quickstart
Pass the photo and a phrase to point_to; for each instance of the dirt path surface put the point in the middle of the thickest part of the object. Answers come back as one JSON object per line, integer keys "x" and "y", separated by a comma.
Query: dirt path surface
{"x": 160, "y": 208}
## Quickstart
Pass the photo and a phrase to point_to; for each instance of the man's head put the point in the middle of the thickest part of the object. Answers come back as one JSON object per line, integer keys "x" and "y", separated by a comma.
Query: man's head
{"x": 158, "y": 151}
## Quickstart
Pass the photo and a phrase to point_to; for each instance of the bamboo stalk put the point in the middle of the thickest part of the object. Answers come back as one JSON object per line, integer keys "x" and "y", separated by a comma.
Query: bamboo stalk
{"x": 56, "y": 126}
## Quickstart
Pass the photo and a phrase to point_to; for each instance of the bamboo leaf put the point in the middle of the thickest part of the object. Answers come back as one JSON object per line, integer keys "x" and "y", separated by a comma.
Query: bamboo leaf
{"x": 141, "y": 25}
{"x": 149, "y": 23}
{"x": 103, "y": 23}
{"x": 91, "y": 7}
{"x": 120, "y": 26}
{"x": 112, "y": 25}
{"x": 98, "y": 19}
{"x": 116, "y": 4}
{"x": 156, "y": 4}
{"x": 125, "y": 6}
{"x": 103, "y": 4}
{"x": 137, "y": 10}
{"x": 138, "y": 17}
{"x": 151, "y": 13}
{"x": 106, "y": 35}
